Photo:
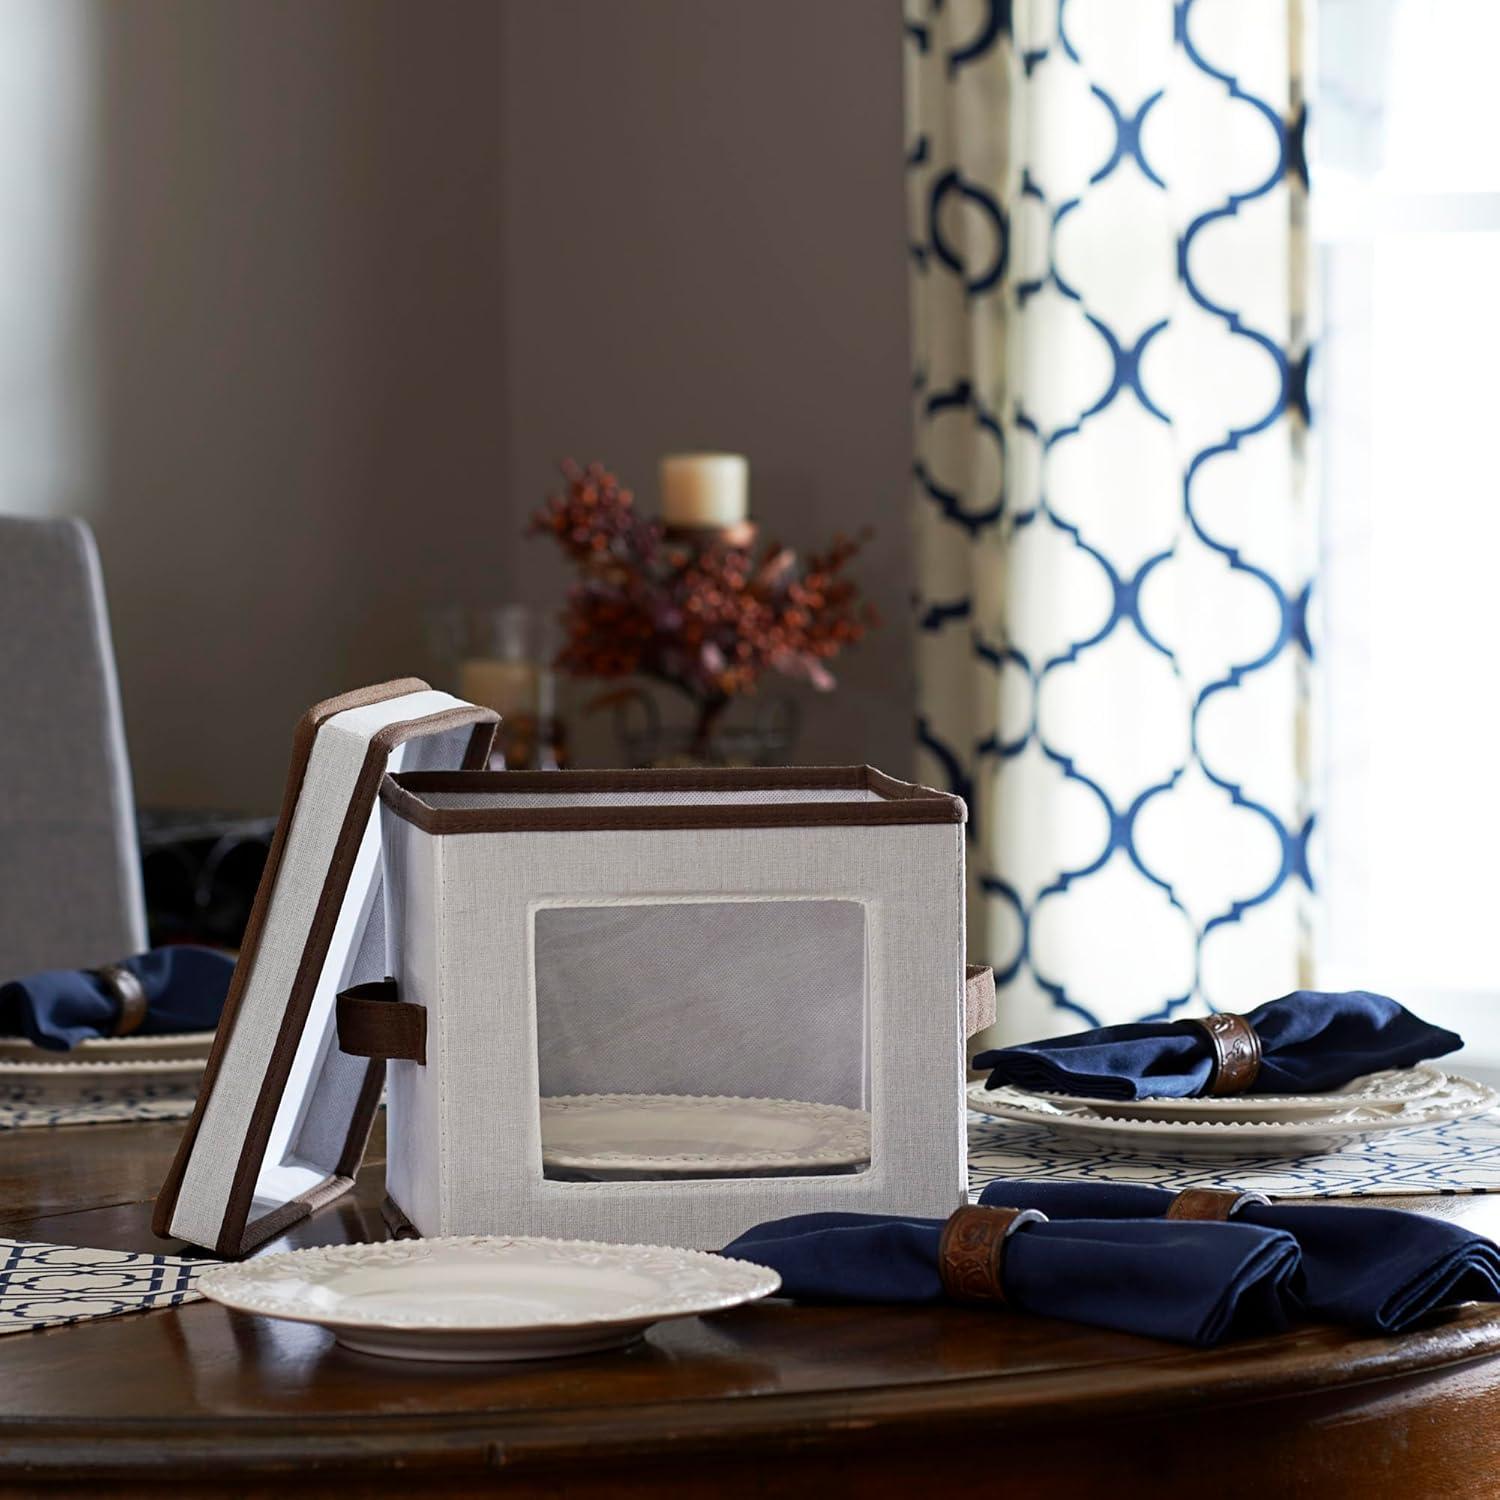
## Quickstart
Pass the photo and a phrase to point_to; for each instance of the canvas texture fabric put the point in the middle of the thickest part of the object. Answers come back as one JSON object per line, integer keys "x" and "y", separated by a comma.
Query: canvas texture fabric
{"x": 314, "y": 1115}
{"x": 465, "y": 1131}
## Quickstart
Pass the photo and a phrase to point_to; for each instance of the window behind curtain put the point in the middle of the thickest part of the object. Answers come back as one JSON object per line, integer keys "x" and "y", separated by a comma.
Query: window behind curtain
{"x": 1406, "y": 218}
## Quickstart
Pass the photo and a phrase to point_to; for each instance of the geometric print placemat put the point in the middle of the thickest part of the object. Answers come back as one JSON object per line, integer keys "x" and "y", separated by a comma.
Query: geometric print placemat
{"x": 44, "y": 1285}
{"x": 1462, "y": 1156}
{"x": 20, "y": 1108}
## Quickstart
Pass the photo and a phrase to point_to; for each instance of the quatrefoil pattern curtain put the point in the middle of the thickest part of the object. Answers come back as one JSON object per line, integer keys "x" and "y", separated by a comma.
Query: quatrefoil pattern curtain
{"x": 1115, "y": 532}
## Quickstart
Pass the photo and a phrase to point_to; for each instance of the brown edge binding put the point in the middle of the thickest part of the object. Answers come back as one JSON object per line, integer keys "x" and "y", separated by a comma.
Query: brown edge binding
{"x": 234, "y": 1238}
{"x": 900, "y": 802}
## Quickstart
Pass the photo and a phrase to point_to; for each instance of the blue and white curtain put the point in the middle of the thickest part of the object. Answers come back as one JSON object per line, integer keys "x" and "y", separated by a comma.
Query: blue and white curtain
{"x": 1115, "y": 530}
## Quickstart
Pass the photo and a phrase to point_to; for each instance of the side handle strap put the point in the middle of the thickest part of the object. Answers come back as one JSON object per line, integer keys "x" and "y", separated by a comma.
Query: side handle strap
{"x": 979, "y": 998}
{"x": 373, "y": 1022}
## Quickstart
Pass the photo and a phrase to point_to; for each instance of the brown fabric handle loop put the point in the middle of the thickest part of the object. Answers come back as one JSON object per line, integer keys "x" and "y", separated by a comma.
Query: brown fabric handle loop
{"x": 373, "y": 1022}
{"x": 128, "y": 993}
{"x": 1236, "y": 1052}
{"x": 971, "y": 1253}
{"x": 1211, "y": 1203}
{"x": 979, "y": 998}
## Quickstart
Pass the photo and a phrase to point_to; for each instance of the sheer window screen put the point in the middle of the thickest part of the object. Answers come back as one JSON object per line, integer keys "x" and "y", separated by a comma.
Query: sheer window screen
{"x": 748, "y": 999}
{"x": 1406, "y": 214}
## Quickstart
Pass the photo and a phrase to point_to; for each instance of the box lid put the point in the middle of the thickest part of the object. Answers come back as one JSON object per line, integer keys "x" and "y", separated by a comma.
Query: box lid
{"x": 283, "y": 1114}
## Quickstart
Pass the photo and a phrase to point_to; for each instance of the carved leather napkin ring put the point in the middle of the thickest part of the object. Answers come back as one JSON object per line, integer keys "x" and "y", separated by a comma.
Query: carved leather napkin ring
{"x": 128, "y": 993}
{"x": 971, "y": 1253}
{"x": 1236, "y": 1052}
{"x": 1211, "y": 1203}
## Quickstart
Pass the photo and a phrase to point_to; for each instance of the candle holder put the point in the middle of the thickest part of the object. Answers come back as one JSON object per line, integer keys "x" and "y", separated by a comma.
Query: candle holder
{"x": 501, "y": 658}
{"x": 646, "y": 741}
{"x": 698, "y": 608}
{"x": 700, "y": 538}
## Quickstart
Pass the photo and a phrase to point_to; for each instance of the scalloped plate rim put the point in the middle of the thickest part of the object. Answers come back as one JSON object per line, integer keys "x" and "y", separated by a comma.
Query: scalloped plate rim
{"x": 425, "y": 1336}
{"x": 1279, "y": 1137}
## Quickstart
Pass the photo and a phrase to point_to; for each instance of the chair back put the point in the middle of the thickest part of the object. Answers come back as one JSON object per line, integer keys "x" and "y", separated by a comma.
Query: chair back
{"x": 70, "y": 882}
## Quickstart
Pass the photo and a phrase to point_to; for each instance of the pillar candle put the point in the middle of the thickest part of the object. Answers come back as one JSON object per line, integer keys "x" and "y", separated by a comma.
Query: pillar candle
{"x": 509, "y": 687}
{"x": 705, "y": 489}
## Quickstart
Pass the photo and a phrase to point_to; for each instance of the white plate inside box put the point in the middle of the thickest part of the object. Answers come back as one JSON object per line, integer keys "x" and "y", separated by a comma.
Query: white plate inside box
{"x": 636, "y": 1136}
{"x": 486, "y": 1297}
{"x": 1338, "y": 1121}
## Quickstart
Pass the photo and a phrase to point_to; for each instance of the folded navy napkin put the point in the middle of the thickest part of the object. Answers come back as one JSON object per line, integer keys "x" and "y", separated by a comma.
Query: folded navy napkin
{"x": 184, "y": 990}
{"x": 1311, "y": 1041}
{"x": 1191, "y": 1282}
{"x": 1378, "y": 1268}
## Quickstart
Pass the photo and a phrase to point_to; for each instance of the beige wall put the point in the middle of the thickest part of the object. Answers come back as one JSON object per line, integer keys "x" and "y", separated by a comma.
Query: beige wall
{"x": 705, "y": 248}
{"x": 366, "y": 268}
{"x": 300, "y": 359}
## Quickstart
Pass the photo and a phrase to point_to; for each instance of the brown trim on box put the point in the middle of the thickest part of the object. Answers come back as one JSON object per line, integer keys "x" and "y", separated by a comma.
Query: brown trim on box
{"x": 294, "y": 1210}
{"x": 302, "y": 742}
{"x": 481, "y": 743}
{"x": 900, "y": 802}
{"x": 236, "y": 1235}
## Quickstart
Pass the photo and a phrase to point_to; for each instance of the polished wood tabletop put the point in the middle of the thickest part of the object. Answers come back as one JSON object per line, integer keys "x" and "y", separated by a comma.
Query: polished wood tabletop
{"x": 773, "y": 1399}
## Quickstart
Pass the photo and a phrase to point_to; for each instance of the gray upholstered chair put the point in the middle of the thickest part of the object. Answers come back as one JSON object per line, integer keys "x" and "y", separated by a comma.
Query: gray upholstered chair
{"x": 70, "y": 885}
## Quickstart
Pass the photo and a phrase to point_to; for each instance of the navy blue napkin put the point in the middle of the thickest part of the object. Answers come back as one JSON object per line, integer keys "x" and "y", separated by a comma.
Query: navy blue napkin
{"x": 185, "y": 989}
{"x": 1378, "y": 1268}
{"x": 1191, "y": 1282}
{"x": 1311, "y": 1041}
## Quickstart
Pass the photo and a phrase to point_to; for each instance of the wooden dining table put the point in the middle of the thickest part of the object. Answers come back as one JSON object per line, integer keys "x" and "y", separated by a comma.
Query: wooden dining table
{"x": 771, "y": 1399}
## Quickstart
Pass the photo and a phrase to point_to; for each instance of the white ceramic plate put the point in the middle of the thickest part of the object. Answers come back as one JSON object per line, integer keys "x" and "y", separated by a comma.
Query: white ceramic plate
{"x": 1340, "y": 1120}
{"x": 484, "y": 1297}
{"x": 174, "y": 1046}
{"x": 1394, "y": 1087}
{"x": 681, "y": 1135}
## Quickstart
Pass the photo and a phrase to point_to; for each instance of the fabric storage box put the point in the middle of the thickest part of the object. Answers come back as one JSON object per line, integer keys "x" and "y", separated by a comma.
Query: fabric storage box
{"x": 650, "y": 1006}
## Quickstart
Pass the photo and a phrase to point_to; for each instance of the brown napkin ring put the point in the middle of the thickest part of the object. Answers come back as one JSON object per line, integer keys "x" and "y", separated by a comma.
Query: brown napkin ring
{"x": 1236, "y": 1052}
{"x": 971, "y": 1253}
{"x": 128, "y": 993}
{"x": 1211, "y": 1203}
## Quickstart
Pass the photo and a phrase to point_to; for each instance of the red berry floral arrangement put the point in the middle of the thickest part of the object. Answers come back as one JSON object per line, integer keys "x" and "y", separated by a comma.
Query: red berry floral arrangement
{"x": 703, "y": 614}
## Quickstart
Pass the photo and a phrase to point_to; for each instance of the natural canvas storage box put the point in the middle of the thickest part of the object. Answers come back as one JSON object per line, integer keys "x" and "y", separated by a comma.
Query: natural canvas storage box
{"x": 652, "y": 1006}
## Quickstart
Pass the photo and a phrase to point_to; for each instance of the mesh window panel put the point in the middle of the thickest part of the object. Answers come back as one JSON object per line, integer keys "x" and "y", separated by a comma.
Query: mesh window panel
{"x": 724, "y": 1000}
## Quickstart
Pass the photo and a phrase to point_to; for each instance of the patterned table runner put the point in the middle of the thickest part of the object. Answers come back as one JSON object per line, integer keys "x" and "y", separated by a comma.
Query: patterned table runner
{"x": 23, "y": 1107}
{"x": 42, "y": 1285}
